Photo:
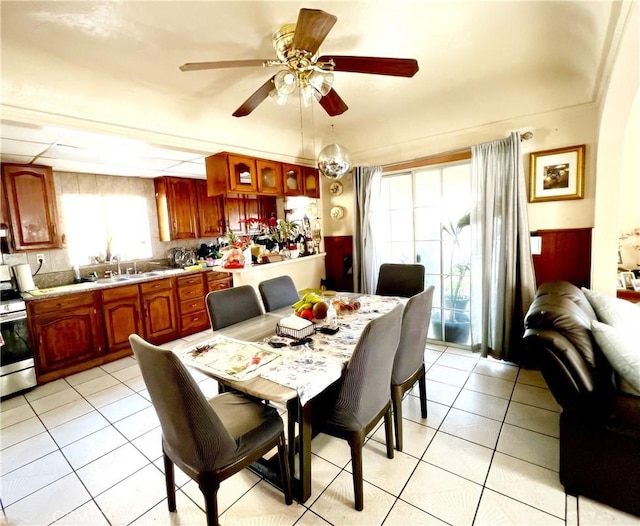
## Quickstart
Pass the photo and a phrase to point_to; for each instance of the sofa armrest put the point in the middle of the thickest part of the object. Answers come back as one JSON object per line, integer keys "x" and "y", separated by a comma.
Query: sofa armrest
{"x": 568, "y": 376}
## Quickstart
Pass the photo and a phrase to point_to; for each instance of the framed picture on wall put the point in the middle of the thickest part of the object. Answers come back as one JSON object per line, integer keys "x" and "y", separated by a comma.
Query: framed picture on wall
{"x": 557, "y": 174}
{"x": 636, "y": 284}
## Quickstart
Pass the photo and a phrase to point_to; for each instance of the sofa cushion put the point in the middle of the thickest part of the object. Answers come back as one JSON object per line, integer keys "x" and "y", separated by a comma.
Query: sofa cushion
{"x": 569, "y": 291}
{"x": 622, "y": 349}
{"x": 615, "y": 311}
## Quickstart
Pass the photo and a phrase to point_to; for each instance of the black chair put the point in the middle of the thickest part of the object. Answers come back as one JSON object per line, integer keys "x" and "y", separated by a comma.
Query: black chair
{"x": 233, "y": 305}
{"x": 408, "y": 367}
{"x": 351, "y": 407}
{"x": 209, "y": 440}
{"x": 278, "y": 292}
{"x": 400, "y": 279}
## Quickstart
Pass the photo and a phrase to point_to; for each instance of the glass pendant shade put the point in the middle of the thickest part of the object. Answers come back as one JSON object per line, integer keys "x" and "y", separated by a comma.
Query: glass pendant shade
{"x": 285, "y": 82}
{"x": 321, "y": 81}
{"x": 334, "y": 161}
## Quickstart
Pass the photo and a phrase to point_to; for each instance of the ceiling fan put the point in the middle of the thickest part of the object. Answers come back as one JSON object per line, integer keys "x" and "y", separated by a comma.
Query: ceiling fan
{"x": 296, "y": 46}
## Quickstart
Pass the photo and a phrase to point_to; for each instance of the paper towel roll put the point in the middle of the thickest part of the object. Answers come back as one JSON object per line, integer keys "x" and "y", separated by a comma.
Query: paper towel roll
{"x": 24, "y": 277}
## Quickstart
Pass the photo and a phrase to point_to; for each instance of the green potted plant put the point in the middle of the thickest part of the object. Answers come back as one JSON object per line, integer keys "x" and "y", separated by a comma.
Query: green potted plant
{"x": 456, "y": 322}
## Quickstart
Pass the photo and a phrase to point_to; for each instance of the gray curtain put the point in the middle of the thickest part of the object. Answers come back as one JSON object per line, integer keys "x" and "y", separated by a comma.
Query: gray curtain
{"x": 366, "y": 188}
{"x": 503, "y": 280}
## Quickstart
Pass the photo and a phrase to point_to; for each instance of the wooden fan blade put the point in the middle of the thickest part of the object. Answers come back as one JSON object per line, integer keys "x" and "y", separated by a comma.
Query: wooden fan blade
{"x": 312, "y": 28}
{"x": 396, "y": 67}
{"x": 252, "y": 102}
{"x": 333, "y": 104}
{"x": 194, "y": 66}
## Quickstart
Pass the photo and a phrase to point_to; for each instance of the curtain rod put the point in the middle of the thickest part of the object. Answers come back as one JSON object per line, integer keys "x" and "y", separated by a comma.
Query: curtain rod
{"x": 454, "y": 155}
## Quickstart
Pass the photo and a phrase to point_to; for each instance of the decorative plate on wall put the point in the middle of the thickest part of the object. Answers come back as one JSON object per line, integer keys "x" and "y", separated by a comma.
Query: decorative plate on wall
{"x": 337, "y": 212}
{"x": 335, "y": 188}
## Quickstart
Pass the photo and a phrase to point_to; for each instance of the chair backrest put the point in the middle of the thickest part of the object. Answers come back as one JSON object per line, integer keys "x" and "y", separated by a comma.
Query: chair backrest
{"x": 400, "y": 279}
{"x": 233, "y": 305}
{"x": 278, "y": 292}
{"x": 413, "y": 336}
{"x": 190, "y": 427}
{"x": 366, "y": 383}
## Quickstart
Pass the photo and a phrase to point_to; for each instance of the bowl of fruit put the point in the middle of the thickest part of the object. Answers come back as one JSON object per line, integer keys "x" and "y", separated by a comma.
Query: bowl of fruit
{"x": 311, "y": 307}
{"x": 344, "y": 305}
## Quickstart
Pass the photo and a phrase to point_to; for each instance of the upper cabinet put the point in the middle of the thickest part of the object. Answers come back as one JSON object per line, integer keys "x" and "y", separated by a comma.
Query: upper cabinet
{"x": 177, "y": 208}
{"x": 185, "y": 211}
{"x": 31, "y": 206}
{"x": 238, "y": 174}
{"x": 269, "y": 175}
{"x": 292, "y": 179}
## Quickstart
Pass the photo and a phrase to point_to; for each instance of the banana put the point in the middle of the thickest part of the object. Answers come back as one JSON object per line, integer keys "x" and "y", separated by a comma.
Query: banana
{"x": 304, "y": 306}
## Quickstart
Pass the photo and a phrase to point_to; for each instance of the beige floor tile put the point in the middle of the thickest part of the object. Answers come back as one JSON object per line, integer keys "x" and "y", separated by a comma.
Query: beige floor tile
{"x": 47, "y": 389}
{"x": 78, "y": 428}
{"x": 15, "y": 414}
{"x": 332, "y": 449}
{"x": 459, "y": 456}
{"x": 96, "y": 385}
{"x": 138, "y": 423}
{"x": 496, "y": 369}
{"x": 533, "y": 447}
{"x": 572, "y": 511}
{"x": 20, "y": 454}
{"x": 127, "y": 373}
{"x": 20, "y": 431}
{"x": 187, "y": 513}
{"x": 416, "y": 437}
{"x": 447, "y": 375}
{"x": 109, "y": 395}
{"x": 456, "y": 361}
{"x": 435, "y": 411}
{"x": 124, "y": 407}
{"x": 404, "y": 514}
{"x": 534, "y": 418}
{"x": 441, "y": 393}
{"x": 87, "y": 514}
{"x": 481, "y": 404}
{"x": 85, "y": 376}
{"x": 469, "y": 426}
{"x": 448, "y": 497}
{"x": 55, "y": 400}
{"x": 65, "y": 413}
{"x": 150, "y": 443}
{"x": 536, "y": 396}
{"x": 592, "y": 513}
{"x": 490, "y": 385}
{"x": 311, "y": 519}
{"x": 123, "y": 363}
{"x": 87, "y": 449}
{"x": 336, "y": 504}
{"x": 431, "y": 356}
{"x": 49, "y": 503}
{"x": 533, "y": 485}
{"x": 497, "y": 509}
{"x": 532, "y": 377}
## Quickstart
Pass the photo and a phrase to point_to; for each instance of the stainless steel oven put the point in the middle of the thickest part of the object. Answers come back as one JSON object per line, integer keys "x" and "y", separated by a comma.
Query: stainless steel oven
{"x": 17, "y": 371}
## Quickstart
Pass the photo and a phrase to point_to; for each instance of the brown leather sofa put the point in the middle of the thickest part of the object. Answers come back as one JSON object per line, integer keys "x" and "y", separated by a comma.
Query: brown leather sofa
{"x": 599, "y": 425}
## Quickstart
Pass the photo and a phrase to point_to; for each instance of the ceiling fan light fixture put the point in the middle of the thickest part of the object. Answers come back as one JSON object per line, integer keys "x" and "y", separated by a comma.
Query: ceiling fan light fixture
{"x": 321, "y": 81}
{"x": 285, "y": 82}
{"x": 334, "y": 161}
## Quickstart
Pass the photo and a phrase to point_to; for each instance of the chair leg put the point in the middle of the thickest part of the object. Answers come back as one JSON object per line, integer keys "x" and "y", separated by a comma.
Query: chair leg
{"x": 169, "y": 480}
{"x": 422, "y": 384}
{"x": 209, "y": 490}
{"x": 292, "y": 418}
{"x": 284, "y": 469}
{"x": 396, "y": 399}
{"x": 388, "y": 431}
{"x": 355, "y": 443}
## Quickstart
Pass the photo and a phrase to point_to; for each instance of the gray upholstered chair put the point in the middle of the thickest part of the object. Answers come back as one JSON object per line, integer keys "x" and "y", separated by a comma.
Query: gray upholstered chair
{"x": 351, "y": 407}
{"x": 278, "y": 292}
{"x": 233, "y": 305}
{"x": 408, "y": 367}
{"x": 400, "y": 279}
{"x": 209, "y": 440}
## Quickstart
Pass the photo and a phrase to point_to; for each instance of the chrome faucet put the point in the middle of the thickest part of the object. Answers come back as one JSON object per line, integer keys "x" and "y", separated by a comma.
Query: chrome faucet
{"x": 116, "y": 259}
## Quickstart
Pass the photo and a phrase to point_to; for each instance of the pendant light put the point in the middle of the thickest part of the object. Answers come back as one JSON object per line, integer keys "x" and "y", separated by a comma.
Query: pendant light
{"x": 334, "y": 160}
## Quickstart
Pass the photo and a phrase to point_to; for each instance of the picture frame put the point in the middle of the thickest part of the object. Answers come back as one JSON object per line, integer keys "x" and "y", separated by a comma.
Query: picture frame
{"x": 635, "y": 283}
{"x": 627, "y": 278}
{"x": 557, "y": 174}
{"x": 620, "y": 282}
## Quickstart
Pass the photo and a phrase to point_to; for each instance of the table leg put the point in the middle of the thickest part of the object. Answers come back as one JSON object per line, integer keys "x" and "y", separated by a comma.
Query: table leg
{"x": 304, "y": 457}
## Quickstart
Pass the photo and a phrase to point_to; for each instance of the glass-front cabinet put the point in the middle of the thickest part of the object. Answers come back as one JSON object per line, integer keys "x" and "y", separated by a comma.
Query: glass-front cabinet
{"x": 242, "y": 174}
{"x": 292, "y": 179}
{"x": 269, "y": 177}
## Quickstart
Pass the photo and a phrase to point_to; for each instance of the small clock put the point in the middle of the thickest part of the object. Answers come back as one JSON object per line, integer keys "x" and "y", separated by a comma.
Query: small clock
{"x": 335, "y": 188}
{"x": 337, "y": 212}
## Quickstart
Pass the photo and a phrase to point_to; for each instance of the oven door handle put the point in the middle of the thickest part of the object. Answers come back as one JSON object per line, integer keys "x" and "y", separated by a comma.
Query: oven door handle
{"x": 13, "y": 316}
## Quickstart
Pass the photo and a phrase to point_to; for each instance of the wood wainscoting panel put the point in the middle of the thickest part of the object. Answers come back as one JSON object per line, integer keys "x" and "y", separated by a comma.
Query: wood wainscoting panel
{"x": 565, "y": 254}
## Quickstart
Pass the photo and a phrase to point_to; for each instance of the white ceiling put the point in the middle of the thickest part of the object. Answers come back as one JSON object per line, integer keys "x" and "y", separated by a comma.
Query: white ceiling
{"x": 95, "y": 86}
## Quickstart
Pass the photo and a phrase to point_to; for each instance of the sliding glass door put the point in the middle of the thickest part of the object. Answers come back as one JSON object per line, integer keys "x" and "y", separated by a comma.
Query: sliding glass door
{"x": 423, "y": 218}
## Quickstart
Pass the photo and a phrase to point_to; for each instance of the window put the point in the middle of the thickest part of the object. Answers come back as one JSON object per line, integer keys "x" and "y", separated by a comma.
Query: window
{"x": 95, "y": 221}
{"x": 422, "y": 217}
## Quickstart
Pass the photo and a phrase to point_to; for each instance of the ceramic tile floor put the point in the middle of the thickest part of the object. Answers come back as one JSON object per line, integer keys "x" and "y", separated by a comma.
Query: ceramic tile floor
{"x": 85, "y": 450}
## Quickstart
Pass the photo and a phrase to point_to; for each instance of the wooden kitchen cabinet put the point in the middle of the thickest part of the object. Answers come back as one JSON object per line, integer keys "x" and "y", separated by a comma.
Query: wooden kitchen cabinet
{"x": 218, "y": 281}
{"x": 210, "y": 212}
{"x": 239, "y": 208}
{"x": 269, "y": 177}
{"x": 311, "y": 180}
{"x": 193, "y": 315}
{"x": 121, "y": 312}
{"x": 227, "y": 172}
{"x": 66, "y": 333}
{"x": 292, "y": 182}
{"x": 159, "y": 311}
{"x": 31, "y": 206}
{"x": 177, "y": 208}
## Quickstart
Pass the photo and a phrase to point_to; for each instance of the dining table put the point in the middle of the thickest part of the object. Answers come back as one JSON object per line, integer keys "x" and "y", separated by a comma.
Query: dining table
{"x": 242, "y": 357}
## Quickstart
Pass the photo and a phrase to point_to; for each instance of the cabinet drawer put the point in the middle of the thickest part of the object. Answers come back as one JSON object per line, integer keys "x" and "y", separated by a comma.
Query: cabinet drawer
{"x": 119, "y": 293}
{"x": 212, "y": 275}
{"x": 188, "y": 281}
{"x": 198, "y": 321}
{"x": 192, "y": 305}
{"x": 219, "y": 284}
{"x": 156, "y": 285}
{"x": 62, "y": 302}
{"x": 194, "y": 291}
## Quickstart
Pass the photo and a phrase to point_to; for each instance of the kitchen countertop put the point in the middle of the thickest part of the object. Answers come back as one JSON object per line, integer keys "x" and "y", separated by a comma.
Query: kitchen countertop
{"x": 121, "y": 280}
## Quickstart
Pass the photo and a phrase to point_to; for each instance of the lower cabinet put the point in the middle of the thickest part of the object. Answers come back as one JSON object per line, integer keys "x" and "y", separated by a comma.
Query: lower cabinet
{"x": 193, "y": 311}
{"x": 67, "y": 335}
{"x": 121, "y": 312}
{"x": 218, "y": 281}
{"x": 159, "y": 310}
